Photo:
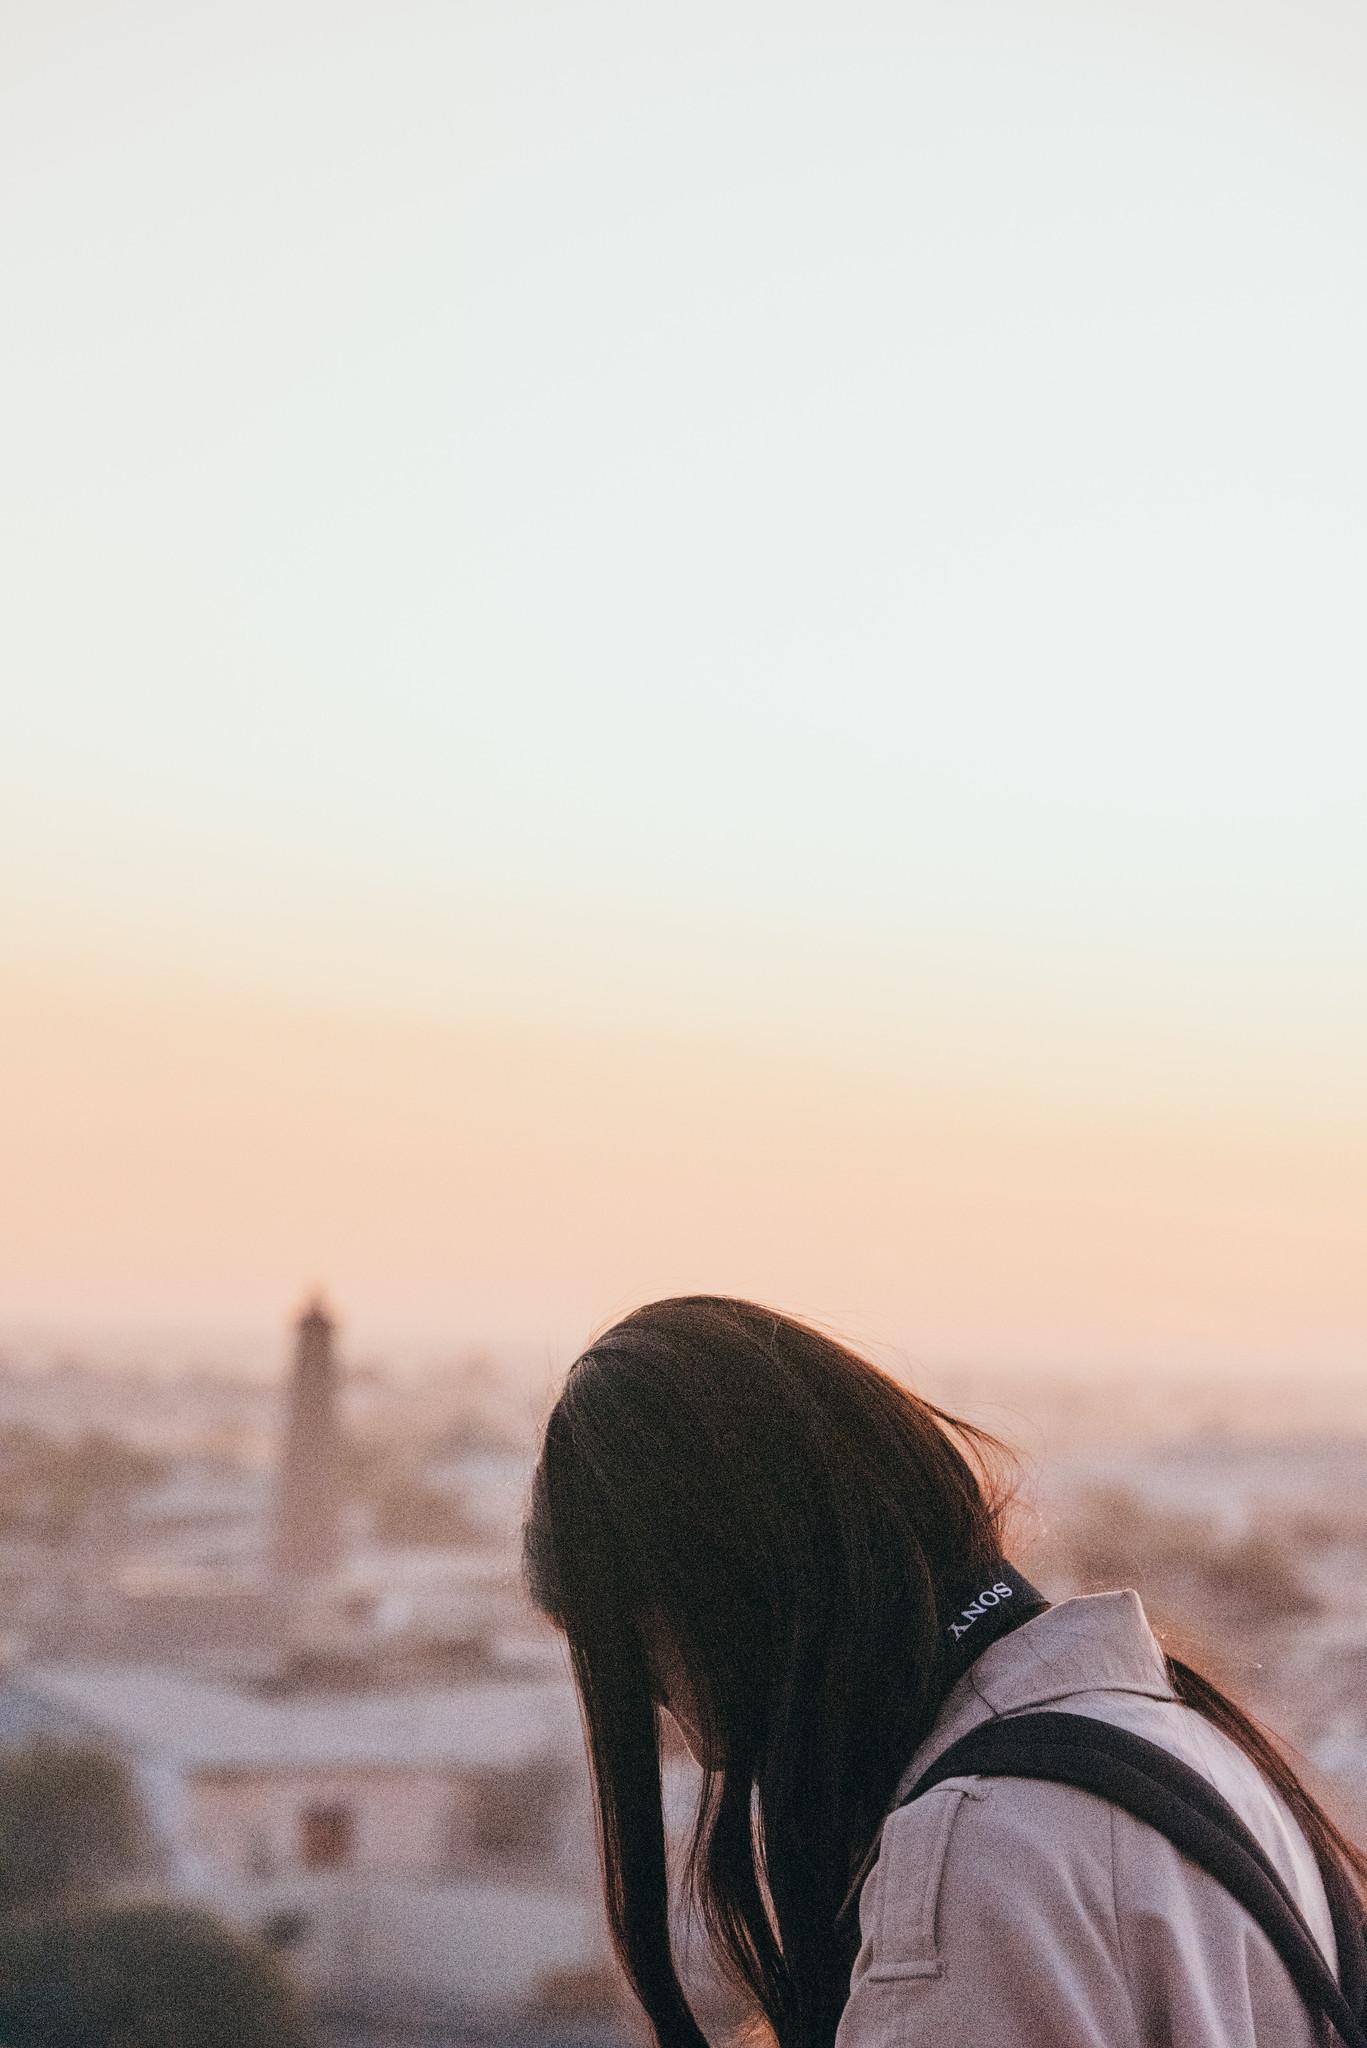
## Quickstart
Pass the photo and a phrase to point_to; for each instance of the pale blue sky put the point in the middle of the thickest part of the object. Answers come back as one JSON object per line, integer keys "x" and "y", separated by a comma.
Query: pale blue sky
{"x": 900, "y": 459}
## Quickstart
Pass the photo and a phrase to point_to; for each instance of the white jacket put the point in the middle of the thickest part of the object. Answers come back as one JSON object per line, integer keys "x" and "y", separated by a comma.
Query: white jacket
{"x": 1010, "y": 1913}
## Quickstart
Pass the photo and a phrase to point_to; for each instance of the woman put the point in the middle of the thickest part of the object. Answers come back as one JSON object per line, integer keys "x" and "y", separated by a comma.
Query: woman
{"x": 738, "y": 1520}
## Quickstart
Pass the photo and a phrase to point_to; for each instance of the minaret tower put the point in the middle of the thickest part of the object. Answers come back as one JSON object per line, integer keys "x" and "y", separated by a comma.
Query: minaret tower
{"x": 308, "y": 1510}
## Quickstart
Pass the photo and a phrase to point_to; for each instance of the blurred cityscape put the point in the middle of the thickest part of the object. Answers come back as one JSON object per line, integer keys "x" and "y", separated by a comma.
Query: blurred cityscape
{"x": 266, "y": 1655}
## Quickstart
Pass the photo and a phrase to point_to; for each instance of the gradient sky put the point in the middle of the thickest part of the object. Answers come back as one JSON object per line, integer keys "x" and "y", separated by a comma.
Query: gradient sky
{"x": 709, "y": 647}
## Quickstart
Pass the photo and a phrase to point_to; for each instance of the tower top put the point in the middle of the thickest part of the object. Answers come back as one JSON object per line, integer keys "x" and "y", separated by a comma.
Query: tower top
{"x": 314, "y": 1314}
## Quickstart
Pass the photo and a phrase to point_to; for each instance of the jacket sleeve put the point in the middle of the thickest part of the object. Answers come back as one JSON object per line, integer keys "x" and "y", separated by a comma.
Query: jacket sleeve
{"x": 989, "y": 1921}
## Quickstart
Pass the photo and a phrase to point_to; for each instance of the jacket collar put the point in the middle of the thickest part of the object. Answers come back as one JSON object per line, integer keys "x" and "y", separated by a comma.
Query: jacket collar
{"x": 1098, "y": 1642}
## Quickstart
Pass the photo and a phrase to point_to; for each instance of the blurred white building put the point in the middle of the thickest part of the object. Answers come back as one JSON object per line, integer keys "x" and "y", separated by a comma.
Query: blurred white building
{"x": 424, "y": 1849}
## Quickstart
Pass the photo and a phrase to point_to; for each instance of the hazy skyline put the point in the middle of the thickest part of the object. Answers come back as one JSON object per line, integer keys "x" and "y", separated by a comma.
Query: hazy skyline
{"x": 701, "y": 650}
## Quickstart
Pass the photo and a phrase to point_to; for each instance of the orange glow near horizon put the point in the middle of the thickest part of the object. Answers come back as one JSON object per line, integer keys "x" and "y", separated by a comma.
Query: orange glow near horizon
{"x": 177, "y": 1151}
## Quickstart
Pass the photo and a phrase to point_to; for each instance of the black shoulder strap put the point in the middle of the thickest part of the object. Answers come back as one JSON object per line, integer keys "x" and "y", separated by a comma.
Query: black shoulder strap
{"x": 1158, "y": 1788}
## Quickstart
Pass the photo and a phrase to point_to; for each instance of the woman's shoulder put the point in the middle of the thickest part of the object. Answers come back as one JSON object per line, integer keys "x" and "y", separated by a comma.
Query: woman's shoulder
{"x": 974, "y": 1855}
{"x": 989, "y": 1918}
{"x": 1028, "y": 1897}
{"x": 1042, "y": 1846}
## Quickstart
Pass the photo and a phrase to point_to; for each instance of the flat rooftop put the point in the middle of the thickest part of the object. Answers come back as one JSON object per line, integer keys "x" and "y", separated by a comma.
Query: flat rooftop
{"x": 206, "y": 1724}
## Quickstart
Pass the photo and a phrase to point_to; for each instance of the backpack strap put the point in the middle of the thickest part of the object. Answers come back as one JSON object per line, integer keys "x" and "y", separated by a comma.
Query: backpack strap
{"x": 1155, "y": 1786}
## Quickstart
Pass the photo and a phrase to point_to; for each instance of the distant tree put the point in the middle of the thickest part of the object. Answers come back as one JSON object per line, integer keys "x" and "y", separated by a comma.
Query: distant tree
{"x": 142, "y": 1976}
{"x": 99, "y": 1464}
{"x": 71, "y": 1823}
{"x": 1255, "y": 1580}
{"x": 407, "y": 1510}
{"x": 364, "y": 1459}
{"x": 1188, "y": 1568}
{"x": 55, "y": 1487}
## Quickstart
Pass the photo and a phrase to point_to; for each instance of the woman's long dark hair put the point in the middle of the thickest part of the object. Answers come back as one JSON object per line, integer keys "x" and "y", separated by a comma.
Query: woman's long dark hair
{"x": 791, "y": 1521}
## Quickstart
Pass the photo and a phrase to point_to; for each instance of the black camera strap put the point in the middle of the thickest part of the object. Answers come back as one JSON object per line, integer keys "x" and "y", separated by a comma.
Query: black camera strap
{"x": 976, "y": 1608}
{"x": 980, "y": 1607}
